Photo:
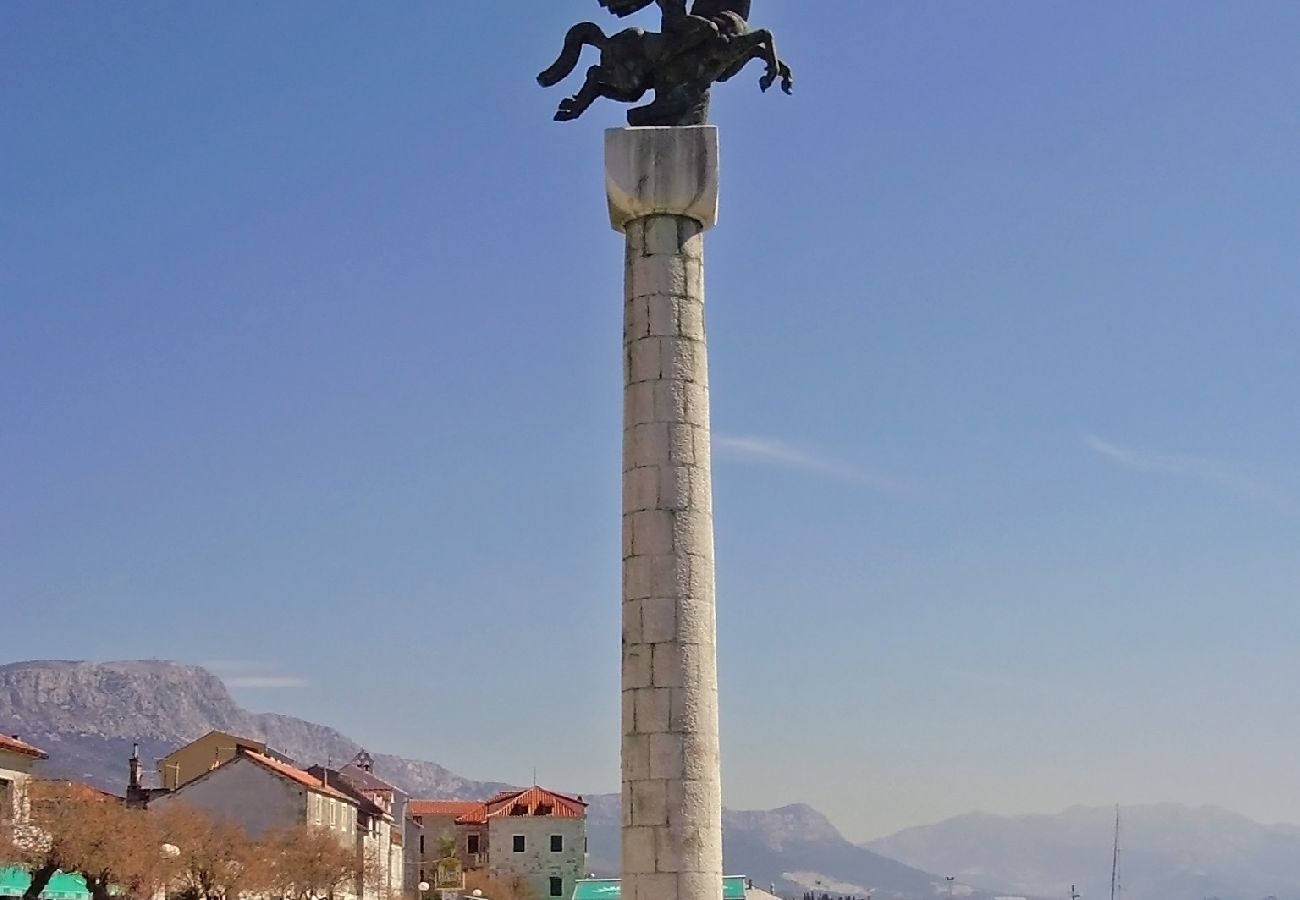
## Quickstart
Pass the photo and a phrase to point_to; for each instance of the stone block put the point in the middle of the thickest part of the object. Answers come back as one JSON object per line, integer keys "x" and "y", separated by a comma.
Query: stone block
{"x": 692, "y": 531}
{"x": 658, "y": 235}
{"x": 638, "y": 401}
{"x": 641, "y": 488}
{"x": 657, "y": 277}
{"x": 652, "y": 532}
{"x": 638, "y": 572}
{"x": 637, "y": 661}
{"x": 645, "y": 362}
{"x": 671, "y": 399}
{"x": 653, "y": 709}
{"x": 700, "y": 754}
{"x": 629, "y": 712}
{"x": 659, "y": 620}
{"x": 631, "y": 618}
{"x": 638, "y": 848}
{"x": 662, "y": 171}
{"x": 665, "y": 756}
{"x": 690, "y": 319}
{"x": 673, "y": 490}
{"x": 681, "y": 360}
{"x": 650, "y": 802}
{"x": 661, "y": 886}
{"x": 646, "y": 443}
{"x": 668, "y": 666}
{"x": 635, "y": 765}
{"x": 680, "y": 439}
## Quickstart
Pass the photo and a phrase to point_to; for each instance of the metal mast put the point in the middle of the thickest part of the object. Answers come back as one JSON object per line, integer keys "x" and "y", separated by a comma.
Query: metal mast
{"x": 1115, "y": 887}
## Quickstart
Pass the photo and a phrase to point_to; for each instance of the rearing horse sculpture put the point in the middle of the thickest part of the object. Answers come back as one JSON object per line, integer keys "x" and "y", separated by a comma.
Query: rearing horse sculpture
{"x": 711, "y": 43}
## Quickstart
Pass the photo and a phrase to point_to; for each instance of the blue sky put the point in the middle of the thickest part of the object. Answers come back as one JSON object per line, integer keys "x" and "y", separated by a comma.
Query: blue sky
{"x": 309, "y": 364}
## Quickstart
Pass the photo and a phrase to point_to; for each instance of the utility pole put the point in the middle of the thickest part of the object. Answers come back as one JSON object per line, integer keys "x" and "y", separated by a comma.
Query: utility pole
{"x": 1074, "y": 893}
{"x": 951, "y": 879}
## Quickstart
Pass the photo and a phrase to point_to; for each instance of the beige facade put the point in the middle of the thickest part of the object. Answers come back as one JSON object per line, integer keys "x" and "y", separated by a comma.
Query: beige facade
{"x": 198, "y": 757}
{"x": 16, "y": 761}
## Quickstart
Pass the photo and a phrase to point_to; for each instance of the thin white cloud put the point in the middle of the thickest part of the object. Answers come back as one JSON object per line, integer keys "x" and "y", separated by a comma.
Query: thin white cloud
{"x": 779, "y": 453}
{"x": 1206, "y": 470}
{"x": 252, "y": 674}
{"x": 265, "y": 682}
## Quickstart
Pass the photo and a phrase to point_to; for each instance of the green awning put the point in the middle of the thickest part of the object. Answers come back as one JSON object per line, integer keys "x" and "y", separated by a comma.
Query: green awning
{"x": 733, "y": 888}
{"x": 61, "y": 887}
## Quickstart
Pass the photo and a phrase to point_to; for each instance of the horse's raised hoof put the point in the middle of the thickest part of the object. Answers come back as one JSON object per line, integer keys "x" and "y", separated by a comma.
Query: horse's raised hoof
{"x": 549, "y": 78}
{"x": 566, "y": 112}
{"x": 765, "y": 82}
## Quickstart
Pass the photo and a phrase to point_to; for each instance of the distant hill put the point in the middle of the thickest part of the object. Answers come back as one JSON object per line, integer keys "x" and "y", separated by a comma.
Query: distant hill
{"x": 1167, "y": 852}
{"x": 88, "y": 714}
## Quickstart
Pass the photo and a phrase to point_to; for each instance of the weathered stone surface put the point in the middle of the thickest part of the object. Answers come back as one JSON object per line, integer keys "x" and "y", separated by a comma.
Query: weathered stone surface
{"x": 662, "y": 195}
{"x": 661, "y": 171}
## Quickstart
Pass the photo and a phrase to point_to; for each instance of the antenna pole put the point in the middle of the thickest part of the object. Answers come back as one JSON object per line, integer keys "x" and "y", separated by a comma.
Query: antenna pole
{"x": 1115, "y": 887}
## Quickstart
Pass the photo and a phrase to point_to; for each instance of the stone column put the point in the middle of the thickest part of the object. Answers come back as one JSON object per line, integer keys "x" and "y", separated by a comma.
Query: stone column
{"x": 663, "y": 192}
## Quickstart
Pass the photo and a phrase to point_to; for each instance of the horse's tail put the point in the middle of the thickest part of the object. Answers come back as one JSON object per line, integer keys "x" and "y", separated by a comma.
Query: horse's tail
{"x": 579, "y": 36}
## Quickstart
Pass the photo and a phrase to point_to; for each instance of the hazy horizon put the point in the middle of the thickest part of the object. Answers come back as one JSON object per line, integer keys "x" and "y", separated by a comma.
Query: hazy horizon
{"x": 309, "y": 353}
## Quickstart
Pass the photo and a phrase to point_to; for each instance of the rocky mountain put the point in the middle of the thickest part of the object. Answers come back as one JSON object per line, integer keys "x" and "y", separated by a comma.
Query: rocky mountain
{"x": 88, "y": 714}
{"x": 1167, "y": 851}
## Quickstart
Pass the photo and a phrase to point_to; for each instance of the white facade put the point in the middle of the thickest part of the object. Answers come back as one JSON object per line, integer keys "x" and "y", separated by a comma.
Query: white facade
{"x": 549, "y": 872}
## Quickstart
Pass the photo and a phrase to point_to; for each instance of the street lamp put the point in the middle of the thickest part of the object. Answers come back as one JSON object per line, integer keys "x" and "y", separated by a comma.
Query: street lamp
{"x": 422, "y": 887}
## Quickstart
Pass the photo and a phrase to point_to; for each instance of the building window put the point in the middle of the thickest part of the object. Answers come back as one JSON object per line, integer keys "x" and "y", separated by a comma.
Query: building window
{"x": 557, "y": 887}
{"x": 519, "y": 843}
{"x": 471, "y": 843}
{"x": 557, "y": 843}
{"x": 422, "y": 848}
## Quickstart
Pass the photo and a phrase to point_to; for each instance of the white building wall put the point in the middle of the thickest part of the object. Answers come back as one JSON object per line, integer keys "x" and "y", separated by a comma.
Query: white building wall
{"x": 538, "y": 863}
{"x": 243, "y": 792}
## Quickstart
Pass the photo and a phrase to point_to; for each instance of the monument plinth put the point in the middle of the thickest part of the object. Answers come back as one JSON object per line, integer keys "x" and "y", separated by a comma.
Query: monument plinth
{"x": 662, "y": 185}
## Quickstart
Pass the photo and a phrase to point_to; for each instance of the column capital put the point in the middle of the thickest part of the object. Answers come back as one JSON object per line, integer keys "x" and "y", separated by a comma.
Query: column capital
{"x": 669, "y": 171}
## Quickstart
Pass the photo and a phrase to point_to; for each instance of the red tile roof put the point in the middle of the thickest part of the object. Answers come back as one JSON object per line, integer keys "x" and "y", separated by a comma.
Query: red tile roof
{"x": 293, "y": 774}
{"x": 14, "y": 745}
{"x": 535, "y": 801}
{"x": 443, "y": 807}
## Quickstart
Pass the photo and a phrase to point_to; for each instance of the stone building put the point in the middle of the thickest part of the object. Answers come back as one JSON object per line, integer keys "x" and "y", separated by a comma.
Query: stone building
{"x": 534, "y": 834}
{"x": 16, "y": 760}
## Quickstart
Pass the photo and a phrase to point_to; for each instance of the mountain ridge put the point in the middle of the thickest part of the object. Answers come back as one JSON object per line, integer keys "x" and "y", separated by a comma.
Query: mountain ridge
{"x": 1168, "y": 850}
{"x": 87, "y": 715}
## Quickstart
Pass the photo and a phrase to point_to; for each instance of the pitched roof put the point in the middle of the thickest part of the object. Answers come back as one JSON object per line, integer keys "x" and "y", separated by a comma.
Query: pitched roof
{"x": 535, "y": 801}
{"x": 364, "y": 780}
{"x": 285, "y": 770}
{"x": 443, "y": 807}
{"x": 15, "y": 745}
{"x": 335, "y": 779}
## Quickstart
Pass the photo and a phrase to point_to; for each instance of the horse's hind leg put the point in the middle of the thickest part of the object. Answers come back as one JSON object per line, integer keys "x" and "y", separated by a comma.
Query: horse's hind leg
{"x": 592, "y": 90}
{"x": 579, "y": 36}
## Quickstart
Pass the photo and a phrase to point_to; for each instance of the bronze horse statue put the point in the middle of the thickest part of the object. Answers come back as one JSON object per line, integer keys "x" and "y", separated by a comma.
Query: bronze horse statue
{"x": 712, "y": 43}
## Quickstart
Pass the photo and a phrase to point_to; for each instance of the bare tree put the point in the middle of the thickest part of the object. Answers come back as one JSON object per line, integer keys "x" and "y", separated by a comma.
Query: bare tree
{"x": 213, "y": 859}
{"x": 304, "y": 863}
{"x": 75, "y": 828}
